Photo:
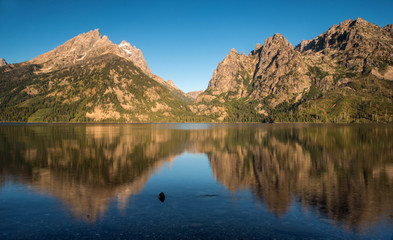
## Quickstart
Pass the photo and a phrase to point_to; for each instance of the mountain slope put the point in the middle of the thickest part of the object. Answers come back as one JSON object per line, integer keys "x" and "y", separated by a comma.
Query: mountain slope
{"x": 87, "y": 79}
{"x": 343, "y": 75}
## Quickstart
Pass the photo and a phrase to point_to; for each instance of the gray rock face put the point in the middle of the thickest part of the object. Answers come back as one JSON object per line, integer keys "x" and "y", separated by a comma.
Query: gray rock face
{"x": 2, "y": 62}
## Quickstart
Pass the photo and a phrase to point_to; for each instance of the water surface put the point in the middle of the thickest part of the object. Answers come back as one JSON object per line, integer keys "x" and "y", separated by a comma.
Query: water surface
{"x": 221, "y": 181}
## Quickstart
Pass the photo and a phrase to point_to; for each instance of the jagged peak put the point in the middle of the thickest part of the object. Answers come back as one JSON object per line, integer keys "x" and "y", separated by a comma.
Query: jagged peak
{"x": 258, "y": 47}
{"x": 124, "y": 43}
{"x": 277, "y": 39}
{"x": 233, "y": 51}
{"x": 358, "y": 28}
{"x": 359, "y": 19}
{"x": 2, "y": 62}
{"x": 95, "y": 33}
{"x": 278, "y": 36}
{"x": 358, "y": 22}
{"x": 233, "y": 54}
{"x": 91, "y": 36}
{"x": 76, "y": 49}
{"x": 128, "y": 48}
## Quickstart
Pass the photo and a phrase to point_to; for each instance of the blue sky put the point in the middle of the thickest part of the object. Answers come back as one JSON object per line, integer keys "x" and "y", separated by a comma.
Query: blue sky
{"x": 181, "y": 40}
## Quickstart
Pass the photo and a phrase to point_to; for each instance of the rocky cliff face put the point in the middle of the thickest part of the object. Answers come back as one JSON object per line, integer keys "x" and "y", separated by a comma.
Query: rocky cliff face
{"x": 343, "y": 75}
{"x": 273, "y": 68}
{"x": 2, "y": 62}
{"x": 280, "y": 71}
{"x": 231, "y": 74}
{"x": 82, "y": 47}
{"x": 89, "y": 45}
{"x": 353, "y": 44}
{"x": 275, "y": 77}
{"x": 136, "y": 56}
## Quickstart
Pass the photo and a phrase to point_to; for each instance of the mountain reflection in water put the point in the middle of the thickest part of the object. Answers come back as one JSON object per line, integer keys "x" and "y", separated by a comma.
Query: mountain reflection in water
{"x": 343, "y": 172}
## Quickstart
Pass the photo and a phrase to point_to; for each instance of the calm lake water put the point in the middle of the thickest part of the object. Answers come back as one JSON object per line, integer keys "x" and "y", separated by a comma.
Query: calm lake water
{"x": 221, "y": 181}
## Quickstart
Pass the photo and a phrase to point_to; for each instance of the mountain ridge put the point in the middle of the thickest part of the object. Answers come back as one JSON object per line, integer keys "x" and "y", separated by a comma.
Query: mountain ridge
{"x": 276, "y": 81}
{"x": 343, "y": 75}
{"x": 88, "y": 78}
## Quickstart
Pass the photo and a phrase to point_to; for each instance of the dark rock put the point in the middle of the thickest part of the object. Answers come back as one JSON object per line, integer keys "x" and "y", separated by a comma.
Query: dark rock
{"x": 161, "y": 197}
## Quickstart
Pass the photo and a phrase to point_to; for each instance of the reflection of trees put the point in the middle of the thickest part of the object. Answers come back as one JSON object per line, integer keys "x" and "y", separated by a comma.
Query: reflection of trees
{"x": 344, "y": 172}
{"x": 86, "y": 166}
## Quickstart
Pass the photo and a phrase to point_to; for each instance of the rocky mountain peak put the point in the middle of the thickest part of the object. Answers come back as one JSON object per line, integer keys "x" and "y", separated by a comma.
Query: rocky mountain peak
{"x": 225, "y": 77}
{"x": 125, "y": 45}
{"x": 279, "y": 37}
{"x": 354, "y": 43}
{"x": 276, "y": 43}
{"x": 361, "y": 22}
{"x": 81, "y": 47}
{"x": 89, "y": 45}
{"x": 136, "y": 56}
{"x": 2, "y": 62}
{"x": 87, "y": 39}
{"x": 233, "y": 51}
{"x": 256, "y": 50}
{"x": 127, "y": 48}
{"x": 346, "y": 35}
{"x": 93, "y": 33}
{"x": 279, "y": 64}
{"x": 124, "y": 42}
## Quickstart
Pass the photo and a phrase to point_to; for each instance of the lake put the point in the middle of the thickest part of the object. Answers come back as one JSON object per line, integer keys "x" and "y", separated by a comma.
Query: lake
{"x": 221, "y": 181}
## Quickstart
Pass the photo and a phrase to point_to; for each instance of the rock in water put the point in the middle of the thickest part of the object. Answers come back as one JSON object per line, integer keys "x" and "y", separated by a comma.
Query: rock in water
{"x": 161, "y": 197}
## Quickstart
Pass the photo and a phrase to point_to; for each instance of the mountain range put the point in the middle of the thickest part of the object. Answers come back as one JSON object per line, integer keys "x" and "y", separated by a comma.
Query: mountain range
{"x": 343, "y": 75}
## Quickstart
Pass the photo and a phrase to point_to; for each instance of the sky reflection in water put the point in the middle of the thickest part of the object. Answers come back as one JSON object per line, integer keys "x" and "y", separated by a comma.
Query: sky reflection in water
{"x": 220, "y": 181}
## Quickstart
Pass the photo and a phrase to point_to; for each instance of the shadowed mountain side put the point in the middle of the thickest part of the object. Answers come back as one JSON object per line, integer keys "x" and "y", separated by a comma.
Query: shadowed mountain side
{"x": 345, "y": 173}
